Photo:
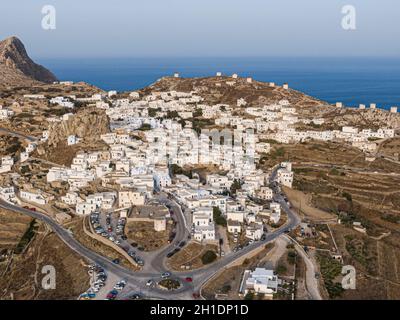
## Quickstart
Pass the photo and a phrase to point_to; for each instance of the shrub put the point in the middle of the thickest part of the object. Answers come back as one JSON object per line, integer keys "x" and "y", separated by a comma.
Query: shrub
{"x": 281, "y": 269}
{"x": 249, "y": 296}
{"x": 226, "y": 288}
{"x": 291, "y": 257}
{"x": 208, "y": 257}
{"x": 347, "y": 196}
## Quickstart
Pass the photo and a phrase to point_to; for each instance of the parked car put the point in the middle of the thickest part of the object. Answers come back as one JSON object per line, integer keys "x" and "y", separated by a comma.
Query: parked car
{"x": 131, "y": 253}
{"x": 189, "y": 279}
{"x": 165, "y": 275}
{"x": 181, "y": 244}
{"x": 150, "y": 283}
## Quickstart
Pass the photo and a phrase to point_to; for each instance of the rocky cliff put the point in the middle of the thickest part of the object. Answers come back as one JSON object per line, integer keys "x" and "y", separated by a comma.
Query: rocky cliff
{"x": 88, "y": 124}
{"x": 17, "y": 68}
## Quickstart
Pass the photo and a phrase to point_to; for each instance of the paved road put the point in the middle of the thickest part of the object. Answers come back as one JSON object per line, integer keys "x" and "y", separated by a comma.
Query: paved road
{"x": 312, "y": 285}
{"x": 137, "y": 280}
{"x": 18, "y": 135}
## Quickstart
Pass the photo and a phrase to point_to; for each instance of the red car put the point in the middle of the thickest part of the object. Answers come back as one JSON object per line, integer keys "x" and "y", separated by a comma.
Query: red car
{"x": 111, "y": 296}
{"x": 189, "y": 279}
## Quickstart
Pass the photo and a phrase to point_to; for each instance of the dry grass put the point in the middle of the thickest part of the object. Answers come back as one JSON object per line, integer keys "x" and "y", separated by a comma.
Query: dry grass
{"x": 190, "y": 256}
{"x": 12, "y": 227}
{"x": 143, "y": 234}
{"x": 23, "y": 279}
{"x": 302, "y": 201}
{"x": 376, "y": 264}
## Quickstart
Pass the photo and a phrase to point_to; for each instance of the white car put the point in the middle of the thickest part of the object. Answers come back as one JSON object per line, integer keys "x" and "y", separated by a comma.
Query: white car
{"x": 149, "y": 283}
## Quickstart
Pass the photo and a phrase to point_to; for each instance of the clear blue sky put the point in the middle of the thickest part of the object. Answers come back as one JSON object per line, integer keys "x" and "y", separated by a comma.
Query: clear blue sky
{"x": 139, "y": 28}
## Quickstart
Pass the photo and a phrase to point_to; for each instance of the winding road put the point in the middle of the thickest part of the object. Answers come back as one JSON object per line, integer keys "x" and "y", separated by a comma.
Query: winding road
{"x": 137, "y": 280}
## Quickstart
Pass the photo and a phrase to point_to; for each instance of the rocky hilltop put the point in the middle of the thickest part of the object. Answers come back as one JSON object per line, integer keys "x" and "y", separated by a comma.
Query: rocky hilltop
{"x": 17, "y": 68}
{"x": 88, "y": 124}
{"x": 227, "y": 90}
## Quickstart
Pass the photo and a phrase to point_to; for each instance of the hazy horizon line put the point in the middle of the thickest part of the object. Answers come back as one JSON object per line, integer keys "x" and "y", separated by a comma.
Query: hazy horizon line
{"x": 219, "y": 57}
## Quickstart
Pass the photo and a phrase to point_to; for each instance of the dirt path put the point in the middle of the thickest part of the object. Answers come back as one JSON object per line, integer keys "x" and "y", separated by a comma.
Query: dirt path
{"x": 302, "y": 202}
{"x": 272, "y": 257}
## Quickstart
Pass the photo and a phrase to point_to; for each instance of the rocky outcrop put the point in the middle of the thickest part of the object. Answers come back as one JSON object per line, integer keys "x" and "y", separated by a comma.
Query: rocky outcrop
{"x": 17, "y": 68}
{"x": 88, "y": 124}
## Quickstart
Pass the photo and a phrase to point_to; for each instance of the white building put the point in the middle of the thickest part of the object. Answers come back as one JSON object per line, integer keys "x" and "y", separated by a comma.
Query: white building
{"x": 285, "y": 174}
{"x": 85, "y": 208}
{"x": 34, "y": 197}
{"x": 127, "y": 198}
{"x": 265, "y": 193}
{"x": 5, "y": 113}
{"x": 72, "y": 139}
{"x": 254, "y": 231}
{"x": 204, "y": 233}
{"x": 259, "y": 281}
{"x": 8, "y": 194}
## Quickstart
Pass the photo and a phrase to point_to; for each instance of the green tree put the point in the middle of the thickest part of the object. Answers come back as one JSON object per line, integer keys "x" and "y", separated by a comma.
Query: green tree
{"x": 218, "y": 217}
{"x": 235, "y": 186}
{"x": 145, "y": 127}
{"x": 208, "y": 257}
{"x": 249, "y": 296}
{"x": 153, "y": 112}
{"x": 198, "y": 113}
{"x": 172, "y": 114}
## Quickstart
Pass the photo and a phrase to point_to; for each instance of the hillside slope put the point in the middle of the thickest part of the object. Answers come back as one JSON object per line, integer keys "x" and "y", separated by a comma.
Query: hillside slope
{"x": 17, "y": 68}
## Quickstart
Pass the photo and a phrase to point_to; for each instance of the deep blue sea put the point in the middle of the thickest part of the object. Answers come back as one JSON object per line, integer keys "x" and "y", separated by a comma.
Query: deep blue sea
{"x": 350, "y": 80}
